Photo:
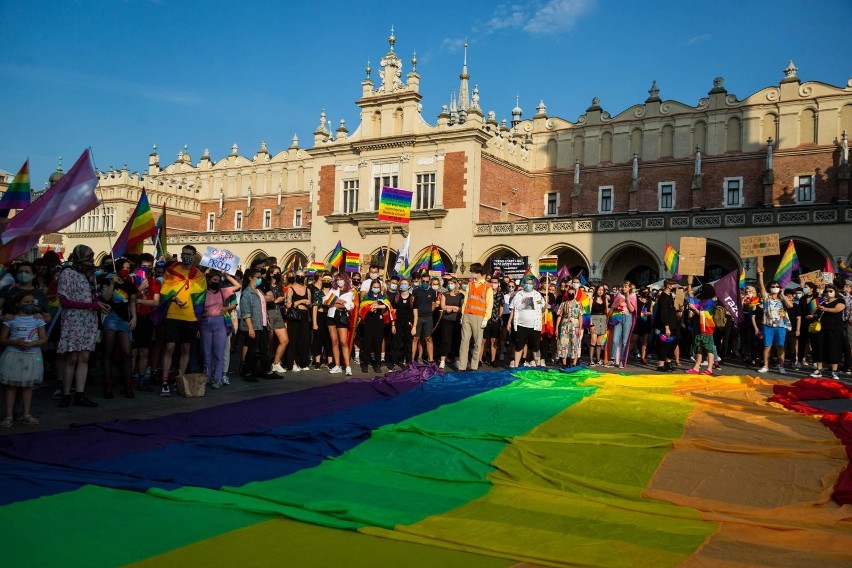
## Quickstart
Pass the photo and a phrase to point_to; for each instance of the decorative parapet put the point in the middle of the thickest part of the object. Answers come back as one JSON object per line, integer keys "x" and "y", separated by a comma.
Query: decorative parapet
{"x": 270, "y": 235}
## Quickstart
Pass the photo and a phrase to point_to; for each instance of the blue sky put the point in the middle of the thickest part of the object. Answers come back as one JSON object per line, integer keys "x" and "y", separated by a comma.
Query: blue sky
{"x": 121, "y": 76}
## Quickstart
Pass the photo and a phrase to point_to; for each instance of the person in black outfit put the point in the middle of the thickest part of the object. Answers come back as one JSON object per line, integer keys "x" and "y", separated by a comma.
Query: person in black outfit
{"x": 666, "y": 325}
{"x": 401, "y": 328}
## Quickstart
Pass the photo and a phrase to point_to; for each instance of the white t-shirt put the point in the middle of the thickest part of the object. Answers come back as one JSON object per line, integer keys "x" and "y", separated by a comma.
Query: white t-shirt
{"x": 527, "y": 307}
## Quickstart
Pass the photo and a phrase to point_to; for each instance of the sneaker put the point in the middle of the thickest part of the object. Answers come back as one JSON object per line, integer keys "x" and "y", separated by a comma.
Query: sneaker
{"x": 593, "y": 363}
{"x": 717, "y": 365}
{"x": 708, "y": 372}
{"x": 277, "y": 368}
{"x": 763, "y": 370}
{"x": 511, "y": 364}
{"x": 216, "y": 385}
{"x": 165, "y": 391}
{"x": 7, "y": 422}
{"x": 782, "y": 371}
{"x": 336, "y": 370}
{"x": 57, "y": 394}
{"x": 296, "y": 368}
{"x": 704, "y": 363}
{"x": 834, "y": 376}
{"x": 610, "y": 364}
{"x": 692, "y": 371}
{"x": 442, "y": 365}
{"x": 348, "y": 371}
{"x": 797, "y": 367}
{"x": 31, "y": 420}
{"x": 226, "y": 381}
{"x": 817, "y": 374}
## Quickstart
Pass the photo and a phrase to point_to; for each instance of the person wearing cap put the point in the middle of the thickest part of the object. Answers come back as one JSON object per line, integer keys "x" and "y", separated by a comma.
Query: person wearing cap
{"x": 528, "y": 307}
{"x": 476, "y": 311}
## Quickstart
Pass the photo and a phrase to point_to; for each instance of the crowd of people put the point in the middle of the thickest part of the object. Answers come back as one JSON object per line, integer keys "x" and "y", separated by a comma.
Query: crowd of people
{"x": 140, "y": 323}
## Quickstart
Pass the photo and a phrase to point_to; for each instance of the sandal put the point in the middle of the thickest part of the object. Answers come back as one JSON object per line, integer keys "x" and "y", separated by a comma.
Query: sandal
{"x": 6, "y": 423}
{"x": 31, "y": 420}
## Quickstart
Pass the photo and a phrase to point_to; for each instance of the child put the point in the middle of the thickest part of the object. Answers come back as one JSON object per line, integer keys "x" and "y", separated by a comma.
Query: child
{"x": 703, "y": 342}
{"x": 21, "y": 365}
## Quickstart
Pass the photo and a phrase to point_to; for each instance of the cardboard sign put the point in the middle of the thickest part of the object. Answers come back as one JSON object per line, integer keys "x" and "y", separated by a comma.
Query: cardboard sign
{"x": 759, "y": 245}
{"x": 513, "y": 266}
{"x": 691, "y": 265}
{"x": 817, "y": 278}
{"x": 220, "y": 259}
{"x": 692, "y": 246}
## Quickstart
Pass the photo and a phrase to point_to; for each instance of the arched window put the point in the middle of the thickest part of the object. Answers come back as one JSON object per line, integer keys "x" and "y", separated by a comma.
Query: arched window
{"x": 551, "y": 153}
{"x": 635, "y": 143}
{"x": 807, "y": 127}
{"x": 667, "y": 141}
{"x": 699, "y": 136}
{"x": 606, "y": 147}
{"x": 397, "y": 121}
{"x": 735, "y": 135}
{"x": 769, "y": 128}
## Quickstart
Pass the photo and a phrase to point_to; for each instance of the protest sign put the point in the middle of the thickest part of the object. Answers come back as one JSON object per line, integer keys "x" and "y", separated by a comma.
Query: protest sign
{"x": 512, "y": 266}
{"x": 759, "y": 246}
{"x": 220, "y": 259}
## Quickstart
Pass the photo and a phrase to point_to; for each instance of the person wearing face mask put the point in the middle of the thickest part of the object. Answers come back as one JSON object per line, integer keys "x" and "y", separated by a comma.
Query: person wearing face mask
{"x": 450, "y": 328}
{"x": 569, "y": 326}
{"x": 426, "y": 300}
{"x": 321, "y": 338}
{"x": 753, "y": 320}
{"x": 802, "y": 315}
{"x": 476, "y": 311}
{"x": 25, "y": 281}
{"x": 405, "y": 309}
{"x": 666, "y": 325}
{"x": 341, "y": 302}
{"x": 776, "y": 321}
{"x": 120, "y": 292}
{"x": 147, "y": 299}
{"x": 528, "y": 307}
{"x": 828, "y": 347}
{"x": 493, "y": 332}
{"x": 298, "y": 303}
{"x": 184, "y": 289}
{"x": 273, "y": 291}
{"x": 375, "y": 312}
{"x": 372, "y": 275}
{"x": 642, "y": 325}
{"x": 254, "y": 326}
{"x": 21, "y": 364}
{"x": 80, "y": 309}
{"x": 215, "y": 325}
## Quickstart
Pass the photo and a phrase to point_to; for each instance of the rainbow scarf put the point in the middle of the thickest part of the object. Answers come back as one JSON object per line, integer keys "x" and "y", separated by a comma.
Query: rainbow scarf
{"x": 486, "y": 470}
{"x": 750, "y": 303}
{"x": 176, "y": 277}
{"x": 368, "y": 301}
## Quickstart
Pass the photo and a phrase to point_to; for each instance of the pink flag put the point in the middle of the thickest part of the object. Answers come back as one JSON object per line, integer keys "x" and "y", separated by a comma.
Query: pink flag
{"x": 72, "y": 197}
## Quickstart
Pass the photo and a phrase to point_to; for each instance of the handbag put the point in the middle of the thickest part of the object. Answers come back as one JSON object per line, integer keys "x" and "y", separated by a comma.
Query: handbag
{"x": 294, "y": 315}
{"x": 815, "y": 326}
{"x": 341, "y": 317}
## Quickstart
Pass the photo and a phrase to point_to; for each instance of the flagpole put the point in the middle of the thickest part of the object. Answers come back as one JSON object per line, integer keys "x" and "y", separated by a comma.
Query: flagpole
{"x": 387, "y": 253}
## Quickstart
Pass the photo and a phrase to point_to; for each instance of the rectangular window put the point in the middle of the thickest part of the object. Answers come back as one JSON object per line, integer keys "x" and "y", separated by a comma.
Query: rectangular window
{"x": 297, "y": 218}
{"x": 238, "y": 220}
{"x": 267, "y": 218}
{"x": 350, "y": 195}
{"x": 551, "y": 204}
{"x": 211, "y": 222}
{"x": 424, "y": 197}
{"x": 733, "y": 188}
{"x": 805, "y": 189}
{"x": 666, "y": 195}
{"x": 605, "y": 199}
{"x": 380, "y": 182}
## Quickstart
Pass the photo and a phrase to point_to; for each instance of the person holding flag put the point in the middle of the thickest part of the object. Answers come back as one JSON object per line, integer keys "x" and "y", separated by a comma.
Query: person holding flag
{"x": 376, "y": 313}
{"x": 776, "y": 321}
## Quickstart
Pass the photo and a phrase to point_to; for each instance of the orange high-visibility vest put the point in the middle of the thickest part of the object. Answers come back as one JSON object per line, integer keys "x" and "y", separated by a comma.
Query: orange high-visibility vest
{"x": 476, "y": 304}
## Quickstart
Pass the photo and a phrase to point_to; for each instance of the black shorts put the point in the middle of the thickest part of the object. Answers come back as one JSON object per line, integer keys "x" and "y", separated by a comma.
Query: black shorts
{"x": 179, "y": 331}
{"x": 143, "y": 335}
{"x": 527, "y": 336}
{"x": 424, "y": 326}
{"x": 492, "y": 330}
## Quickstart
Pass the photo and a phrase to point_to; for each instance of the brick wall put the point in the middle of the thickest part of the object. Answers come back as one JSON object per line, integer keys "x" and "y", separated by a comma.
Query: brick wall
{"x": 283, "y": 220}
{"x": 499, "y": 183}
{"x": 325, "y": 195}
{"x": 455, "y": 178}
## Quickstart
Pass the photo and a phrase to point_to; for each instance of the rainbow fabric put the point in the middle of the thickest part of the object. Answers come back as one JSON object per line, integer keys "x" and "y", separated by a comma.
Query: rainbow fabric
{"x": 314, "y": 267}
{"x": 547, "y": 329}
{"x": 586, "y": 305}
{"x": 705, "y": 308}
{"x": 742, "y": 281}
{"x": 605, "y": 338}
{"x": 140, "y": 227}
{"x": 353, "y": 261}
{"x": 162, "y": 242}
{"x": 789, "y": 264}
{"x": 490, "y": 469}
{"x": 336, "y": 256}
{"x": 422, "y": 262}
{"x": 368, "y": 301}
{"x": 671, "y": 259}
{"x": 395, "y": 205}
{"x": 17, "y": 195}
{"x": 547, "y": 266}
{"x": 176, "y": 277}
{"x": 436, "y": 261}
{"x": 813, "y": 304}
{"x": 329, "y": 301}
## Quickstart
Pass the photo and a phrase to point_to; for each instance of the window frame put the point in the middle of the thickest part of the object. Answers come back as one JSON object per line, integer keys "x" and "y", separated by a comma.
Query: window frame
{"x": 660, "y": 186}
{"x": 238, "y": 220}
{"x": 556, "y": 202}
{"x": 298, "y": 218}
{"x": 267, "y": 216}
{"x": 741, "y": 201}
{"x": 350, "y": 186}
{"x": 601, "y": 189}
{"x": 211, "y": 222}
{"x": 798, "y": 185}
{"x": 433, "y": 194}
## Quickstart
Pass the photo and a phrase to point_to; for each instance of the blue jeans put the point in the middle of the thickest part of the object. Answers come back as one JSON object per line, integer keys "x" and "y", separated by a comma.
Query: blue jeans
{"x": 213, "y": 336}
{"x": 621, "y": 337}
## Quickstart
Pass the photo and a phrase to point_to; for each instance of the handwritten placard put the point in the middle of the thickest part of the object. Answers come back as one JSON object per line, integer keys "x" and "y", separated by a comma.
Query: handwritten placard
{"x": 220, "y": 259}
{"x": 395, "y": 205}
{"x": 759, "y": 245}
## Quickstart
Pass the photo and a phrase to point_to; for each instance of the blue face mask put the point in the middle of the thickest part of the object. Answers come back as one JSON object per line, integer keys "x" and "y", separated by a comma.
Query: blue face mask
{"x": 403, "y": 287}
{"x": 424, "y": 285}
{"x": 258, "y": 281}
{"x": 451, "y": 286}
{"x": 376, "y": 291}
{"x": 393, "y": 287}
{"x": 528, "y": 287}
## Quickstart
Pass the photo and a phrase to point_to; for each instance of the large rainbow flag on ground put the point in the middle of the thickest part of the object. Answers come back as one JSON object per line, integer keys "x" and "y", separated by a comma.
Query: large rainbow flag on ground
{"x": 671, "y": 259}
{"x": 487, "y": 469}
{"x": 17, "y": 195}
{"x": 140, "y": 227}
{"x": 789, "y": 264}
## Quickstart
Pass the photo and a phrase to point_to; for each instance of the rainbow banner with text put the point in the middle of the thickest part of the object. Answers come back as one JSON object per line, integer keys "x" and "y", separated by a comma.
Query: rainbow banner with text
{"x": 395, "y": 205}
{"x": 494, "y": 468}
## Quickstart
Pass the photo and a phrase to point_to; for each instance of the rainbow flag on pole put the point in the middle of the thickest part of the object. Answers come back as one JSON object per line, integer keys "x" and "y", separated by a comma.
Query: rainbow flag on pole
{"x": 336, "y": 256}
{"x": 742, "y": 282}
{"x": 437, "y": 263}
{"x": 139, "y": 228}
{"x": 789, "y": 264}
{"x": 160, "y": 239}
{"x": 422, "y": 262}
{"x": 395, "y": 205}
{"x": 547, "y": 266}
{"x": 671, "y": 259}
{"x": 586, "y": 304}
{"x": 353, "y": 261}
{"x": 315, "y": 266}
{"x": 17, "y": 195}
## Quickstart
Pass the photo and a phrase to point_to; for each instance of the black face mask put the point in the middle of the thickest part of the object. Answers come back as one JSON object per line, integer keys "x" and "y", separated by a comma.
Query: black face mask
{"x": 215, "y": 286}
{"x": 291, "y": 279}
{"x": 326, "y": 285}
{"x": 300, "y": 279}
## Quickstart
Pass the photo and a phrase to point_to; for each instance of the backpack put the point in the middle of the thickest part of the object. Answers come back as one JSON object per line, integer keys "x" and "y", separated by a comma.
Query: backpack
{"x": 720, "y": 316}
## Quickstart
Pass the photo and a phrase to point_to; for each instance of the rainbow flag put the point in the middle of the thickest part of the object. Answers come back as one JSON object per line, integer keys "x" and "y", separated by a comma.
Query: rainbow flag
{"x": 176, "y": 279}
{"x": 336, "y": 256}
{"x": 17, "y": 195}
{"x": 789, "y": 264}
{"x": 437, "y": 263}
{"x": 395, "y": 205}
{"x": 353, "y": 262}
{"x": 139, "y": 227}
{"x": 671, "y": 258}
{"x": 314, "y": 266}
{"x": 605, "y": 338}
{"x": 161, "y": 242}
{"x": 586, "y": 304}
{"x": 483, "y": 470}
{"x": 742, "y": 281}
{"x": 329, "y": 301}
{"x": 547, "y": 266}
{"x": 422, "y": 262}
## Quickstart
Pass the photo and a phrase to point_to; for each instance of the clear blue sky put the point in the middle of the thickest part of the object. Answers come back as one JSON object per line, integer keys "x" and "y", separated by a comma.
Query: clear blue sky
{"x": 120, "y": 76}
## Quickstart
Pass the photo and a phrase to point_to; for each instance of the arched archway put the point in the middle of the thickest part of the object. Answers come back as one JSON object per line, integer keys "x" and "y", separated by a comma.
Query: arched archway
{"x": 293, "y": 259}
{"x": 569, "y": 257}
{"x": 422, "y": 260}
{"x": 719, "y": 261}
{"x": 255, "y": 257}
{"x": 629, "y": 261}
{"x": 811, "y": 257}
{"x": 378, "y": 257}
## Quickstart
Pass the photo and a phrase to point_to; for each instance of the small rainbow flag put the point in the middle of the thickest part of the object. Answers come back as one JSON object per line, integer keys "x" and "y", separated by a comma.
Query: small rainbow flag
{"x": 353, "y": 261}
{"x": 671, "y": 259}
{"x": 586, "y": 304}
{"x": 17, "y": 195}
{"x": 742, "y": 281}
{"x": 437, "y": 262}
{"x": 336, "y": 256}
{"x": 139, "y": 228}
{"x": 314, "y": 267}
{"x": 789, "y": 264}
{"x": 329, "y": 301}
{"x": 161, "y": 234}
{"x": 547, "y": 266}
